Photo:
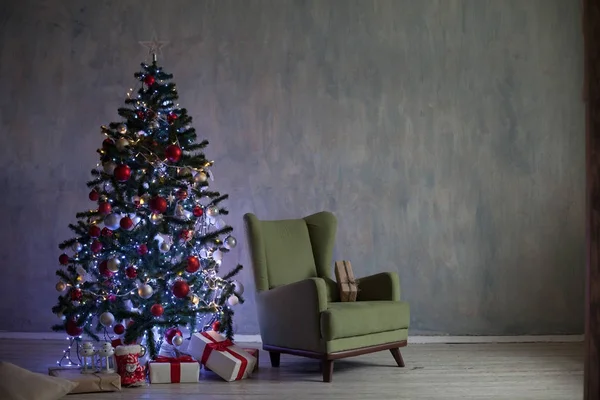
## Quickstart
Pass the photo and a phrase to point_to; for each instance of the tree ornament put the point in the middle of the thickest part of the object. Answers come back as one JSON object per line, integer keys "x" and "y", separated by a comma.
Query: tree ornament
{"x": 113, "y": 264}
{"x": 72, "y": 328}
{"x": 104, "y": 208}
{"x": 142, "y": 249}
{"x": 96, "y": 246}
{"x": 109, "y": 167}
{"x": 122, "y": 173}
{"x": 61, "y": 286}
{"x": 195, "y": 299}
{"x": 177, "y": 340}
{"x": 173, "y": 153}
{"x": 106, "y": 319}
{"x": 76, "y": 247}
{"x": 157, "y": 310}
{"x": 233, "y": 300}
{"x": 149, "y": 80}
{"x": 122, "y": 129}
{"x": 106, "y": 232}
{"x": 171, "y": 117}
{"x": 186, "y": 235}
{"x": 145, "y": 291}
{"x": 103, "y": 269}
{"x": 119, "y": 329}
{"x": 230, "y": 242}
{"x": 185, "y": 171}
{"x": 238, "y": 287}
{"x": 94, "y": 231}
{"x": 197, "y": 211}
{"x": 76, "y": 294}
{"x": 179, "y": 211}
{"x": 182, "y": 194}
{"x": 107, "y": 143}
{"x": 181, "y": 289}
{"x": 193, "y": 264}
{"x": 212, "y": 211}
{"x": 112, "y": 221}
{"x": 200, "y": 177}
{"x": 122, "y": 144}
{"x": 131, "y": 272}
{"x": 216, "y": 326}
{"x": 217, "y": 255}
{"x": 63, "y": 259}
{"x": 126, "y": 223}
{"x": 94, "y": 195}
{"x": 165, "y": 247}
{"x": 140, "y": 114}
{"x": 112, "y": 298}
{"x": 171, "y": 333}
{"x": 158, "y": 204}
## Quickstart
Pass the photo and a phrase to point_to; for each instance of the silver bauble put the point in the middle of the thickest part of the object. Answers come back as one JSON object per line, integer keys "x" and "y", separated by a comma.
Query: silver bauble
{"x": 177, "y": 340}
{"x": 230, "y": 242}
{"x": 164, "y": 247}
{"x": 76, "y": 247}
{"x": 109, "y": 167}
{"x": 61, "y": 286}
{"x": 113, "y": 264}
{"x": 200, "y": 177}
{"x": 122, "y": 144}
{"x": 212, "y": 211}
{"x": 145, "y": 291}
{"x": 107, "y": 319}
{"x": 233, "y": 300}
{"x": 122, "y": 129}
{"x": 112, "y": 221}
{"x": 238, "y": 287}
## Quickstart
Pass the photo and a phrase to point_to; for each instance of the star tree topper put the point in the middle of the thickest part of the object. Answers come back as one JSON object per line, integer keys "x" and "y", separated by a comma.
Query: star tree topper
{"x": 154, "y": 46}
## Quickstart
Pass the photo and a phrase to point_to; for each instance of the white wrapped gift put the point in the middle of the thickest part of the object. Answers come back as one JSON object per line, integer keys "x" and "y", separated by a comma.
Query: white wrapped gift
{"x": 182, "y": 369}
{"x": 221, "y": 355}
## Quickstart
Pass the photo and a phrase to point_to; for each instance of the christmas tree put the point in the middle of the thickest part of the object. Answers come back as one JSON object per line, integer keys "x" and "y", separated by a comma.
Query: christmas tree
{"x": 145, "y": 260}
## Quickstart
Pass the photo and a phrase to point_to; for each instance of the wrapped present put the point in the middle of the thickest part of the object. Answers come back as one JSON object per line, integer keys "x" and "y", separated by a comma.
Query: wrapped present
{"x": 221, "y": 356}
{"x": 90, "y": 382}
{"x": 183, "y": 369}
{"x": 254, "y": 353}
{"x": 345, "y": 278}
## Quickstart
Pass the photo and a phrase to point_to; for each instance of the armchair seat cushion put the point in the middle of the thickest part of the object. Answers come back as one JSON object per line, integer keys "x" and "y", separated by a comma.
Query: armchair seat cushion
{"x": 348, "y": 319}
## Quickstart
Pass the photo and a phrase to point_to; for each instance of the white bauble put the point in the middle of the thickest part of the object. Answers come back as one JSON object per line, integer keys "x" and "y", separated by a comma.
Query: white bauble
{"x": 217, "y": 255}
{"x": 233, "y": 300}
{"x": 239, "y": 288}
{"x": 212, "y": 211}
{"x": 107, "y": 319}
{"x": 113, "y": 264}
{"x": 145, "y": 291}
{"x": 220, "y": 224}
{"x": 230, "y": 242}
{"x": 76, "y": 247}
{"x": 112, "y": 221}
{"x": 122, "y": 144}
{"x": 109, "y": 167}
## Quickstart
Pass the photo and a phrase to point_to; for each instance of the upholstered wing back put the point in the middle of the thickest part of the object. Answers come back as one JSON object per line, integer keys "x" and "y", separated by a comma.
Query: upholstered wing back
{"x": 287, "y": 251}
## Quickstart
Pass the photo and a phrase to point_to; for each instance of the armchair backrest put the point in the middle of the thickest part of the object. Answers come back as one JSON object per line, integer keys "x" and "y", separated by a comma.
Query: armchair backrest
{"x": 287, "y": 251}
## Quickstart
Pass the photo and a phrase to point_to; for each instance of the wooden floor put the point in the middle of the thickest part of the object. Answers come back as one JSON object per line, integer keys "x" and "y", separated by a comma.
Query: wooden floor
{"x": 545, "y": 371}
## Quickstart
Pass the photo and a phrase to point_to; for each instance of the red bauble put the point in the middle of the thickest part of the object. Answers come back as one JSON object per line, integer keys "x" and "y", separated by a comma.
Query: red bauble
{"x": 72, "y": 328}
{"x": 197, "y": 211}
{"x": 140, "y": 114}
{"x": 181, "y": 289}
{"x": 94, "y": 231}
{"x": 186, "y": 235}
{"x": 119, "y": 329}
{"x": 112, "y": 298}
{"x": 76, "y": 294}
{"x": 126, "y": 223}
{"x": 131, "y": 272}
{"x": 173, "y": 153}
{"x": 103, "y": 268}
{"x": 171, "y": 333}
{"x": 158, "y": 204}
{"x": 216, "y": 326}
{"x": 149, "y": 80}
{"x": 171, "y": 117}
{"x": 182, "y": 194}
{"x": 106, "y": 143}
{"x": 142, "y": 249}
{"x": 193, "y": 264}
{"x": 122, "y": 173}
{"x": 106, "y": 232}
{"x": 94, "y": 195}
{"x": 157, "y": 310}
{"x": 96, "y": 246}
{"x": 63, "y": 259}
{"x": 104, "y": 208}
{"x": 131, "y": 322}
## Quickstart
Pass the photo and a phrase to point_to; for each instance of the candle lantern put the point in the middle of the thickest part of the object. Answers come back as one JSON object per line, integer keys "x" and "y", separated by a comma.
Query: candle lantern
{"x": 88, "y": 354}
{"x": 107, "y": 362}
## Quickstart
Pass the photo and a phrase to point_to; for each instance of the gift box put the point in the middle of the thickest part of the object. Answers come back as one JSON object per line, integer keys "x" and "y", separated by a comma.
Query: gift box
{"x": 253, "y": 352}
{"x": 183, "y": 369}
{"x": 221, "y": 356}
{"x": 347, "y": 285}
{"x": 90, "y": 382}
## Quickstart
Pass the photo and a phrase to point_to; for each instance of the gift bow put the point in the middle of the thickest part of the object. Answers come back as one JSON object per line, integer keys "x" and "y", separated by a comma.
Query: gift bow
{"x": 220, "y": 346}
{"x": 175, "y": 365}
{"x": 223, "y": 346}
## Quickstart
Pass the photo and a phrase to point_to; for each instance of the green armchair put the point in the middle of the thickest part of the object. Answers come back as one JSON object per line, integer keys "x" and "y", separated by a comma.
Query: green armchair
{"x": 298, "y": 304}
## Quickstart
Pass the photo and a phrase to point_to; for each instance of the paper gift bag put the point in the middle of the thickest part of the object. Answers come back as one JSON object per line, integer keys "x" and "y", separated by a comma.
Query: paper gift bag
{"x": 182, "y": 369}
{"x": 348, "y": 286}
{"x": 88, "y": 383}
{"x": 221, "y": 356}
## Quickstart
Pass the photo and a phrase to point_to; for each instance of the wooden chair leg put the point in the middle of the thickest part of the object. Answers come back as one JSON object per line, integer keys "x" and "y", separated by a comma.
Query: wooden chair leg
{"x": 275, "y": 358}
{"x": 327, "y": 367}
{"x": 397, "y": 357}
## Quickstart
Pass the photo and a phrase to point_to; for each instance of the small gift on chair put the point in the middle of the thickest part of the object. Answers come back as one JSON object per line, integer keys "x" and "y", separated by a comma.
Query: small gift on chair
{"x": 345, "y": 278}
{"x": 221, "y": 356}
{"x": 182, "y": 369}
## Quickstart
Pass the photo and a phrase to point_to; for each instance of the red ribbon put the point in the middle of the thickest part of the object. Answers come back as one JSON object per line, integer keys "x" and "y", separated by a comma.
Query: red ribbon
{"x": 175, "y": 365}
{"x": 223, "y": 346}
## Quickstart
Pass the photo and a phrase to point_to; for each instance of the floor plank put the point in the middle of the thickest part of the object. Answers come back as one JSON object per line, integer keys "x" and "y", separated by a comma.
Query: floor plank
{"x": 523, "y": 371}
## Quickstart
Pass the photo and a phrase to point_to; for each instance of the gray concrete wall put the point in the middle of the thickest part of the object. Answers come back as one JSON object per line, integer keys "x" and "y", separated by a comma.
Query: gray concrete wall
{"x": 447, "y": 136}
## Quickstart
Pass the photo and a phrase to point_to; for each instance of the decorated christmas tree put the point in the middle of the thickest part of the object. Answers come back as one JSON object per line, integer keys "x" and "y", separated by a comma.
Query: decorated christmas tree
{"x": 145, "y": 258}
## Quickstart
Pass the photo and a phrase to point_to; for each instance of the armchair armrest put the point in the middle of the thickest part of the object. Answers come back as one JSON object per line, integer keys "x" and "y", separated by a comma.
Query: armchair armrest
{"x": 382, "y": 286}
{"x": 290, "y": 315}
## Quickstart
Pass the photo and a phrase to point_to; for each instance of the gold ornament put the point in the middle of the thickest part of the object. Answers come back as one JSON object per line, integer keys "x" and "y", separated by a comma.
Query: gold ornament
{"x": 61, "y": 286}
{"x": 194, "y": 299}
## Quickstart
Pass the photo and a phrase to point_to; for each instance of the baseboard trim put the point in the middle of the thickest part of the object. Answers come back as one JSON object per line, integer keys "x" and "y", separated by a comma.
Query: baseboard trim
{"x": 411, "y": 339}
